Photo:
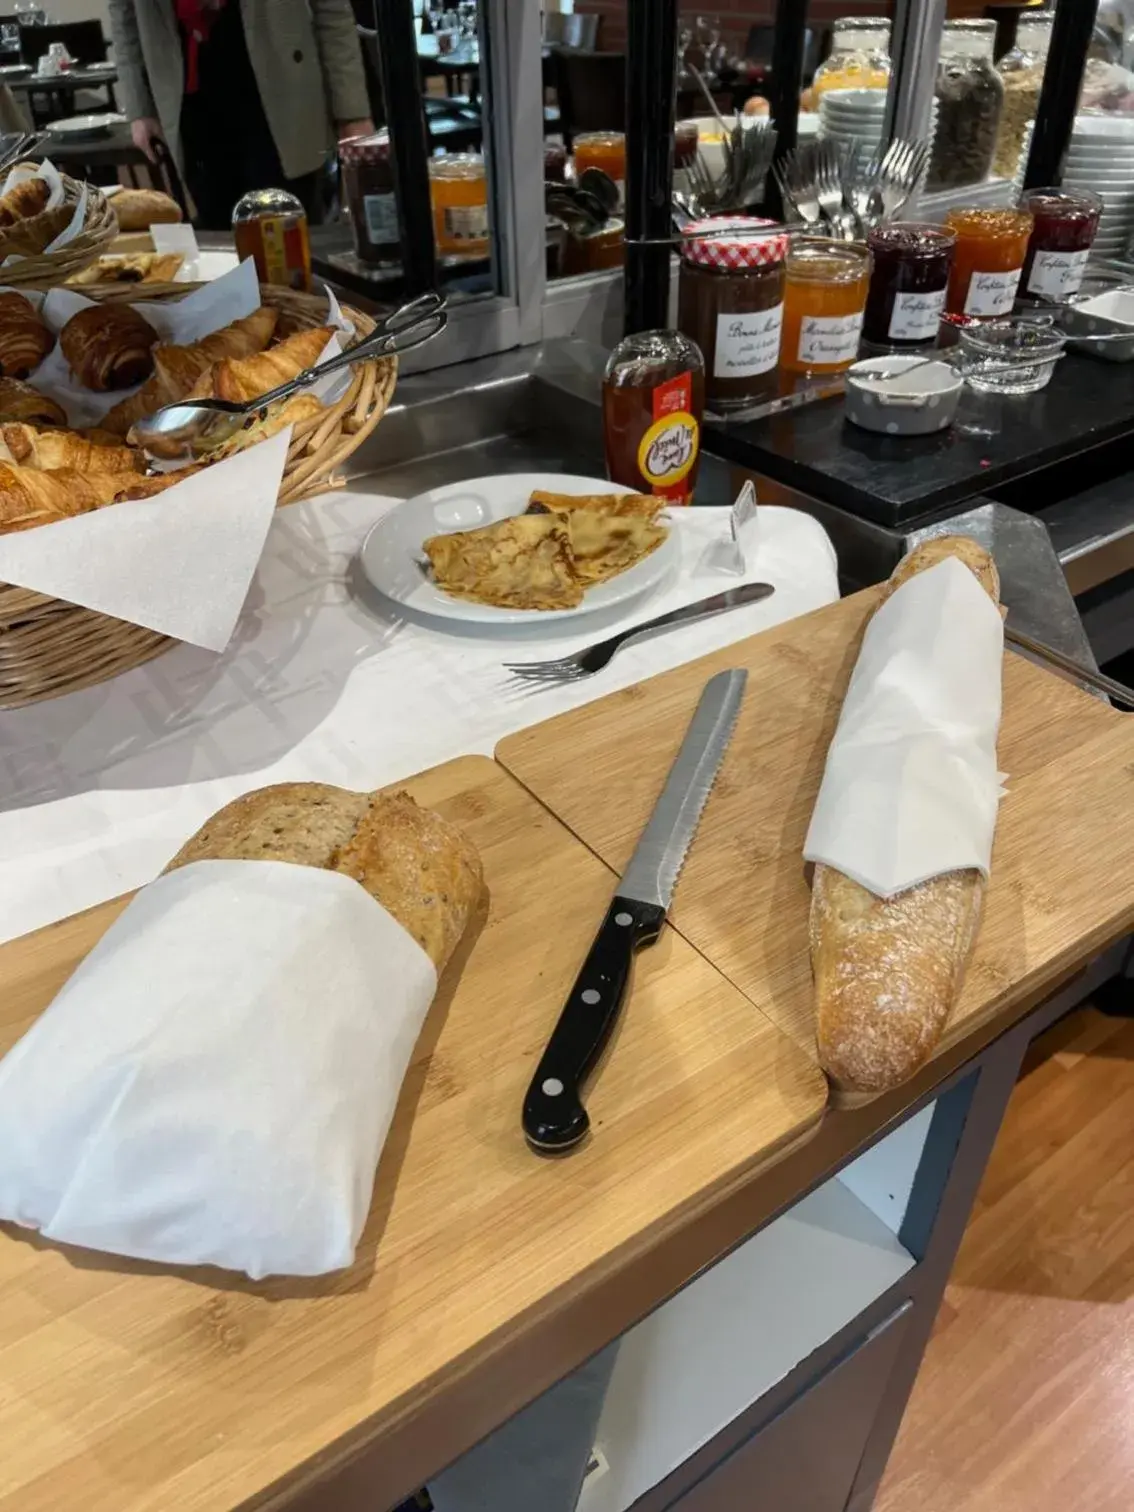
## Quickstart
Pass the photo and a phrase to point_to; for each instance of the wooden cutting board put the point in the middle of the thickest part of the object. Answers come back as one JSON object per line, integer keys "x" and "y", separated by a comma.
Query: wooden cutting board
{"x": 127, "y": 1386}
{"x": 1063, "y": 866}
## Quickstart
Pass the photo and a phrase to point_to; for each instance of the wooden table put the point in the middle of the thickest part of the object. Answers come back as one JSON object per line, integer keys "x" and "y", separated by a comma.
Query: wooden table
{"x": 485, "y": 1275}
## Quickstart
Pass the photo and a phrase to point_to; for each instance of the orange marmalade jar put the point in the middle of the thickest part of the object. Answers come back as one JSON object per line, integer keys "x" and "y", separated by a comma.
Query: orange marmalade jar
{"x": 987, "y": 261}
{"x": 605, "y": 150}
{"x": 458, "y": 190}
{"x": 824, "y": 300}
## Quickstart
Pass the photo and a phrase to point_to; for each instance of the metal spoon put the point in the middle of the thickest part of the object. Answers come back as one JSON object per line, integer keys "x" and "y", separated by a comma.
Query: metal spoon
{"x": 194, "y": 429}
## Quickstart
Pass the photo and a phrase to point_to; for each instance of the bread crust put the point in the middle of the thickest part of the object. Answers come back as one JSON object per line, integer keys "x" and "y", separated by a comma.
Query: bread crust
{"x": 888, "y": 970}
{"x": 424, "y": 871}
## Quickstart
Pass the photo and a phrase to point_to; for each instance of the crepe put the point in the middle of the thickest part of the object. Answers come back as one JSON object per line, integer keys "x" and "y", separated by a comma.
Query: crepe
{"x": 604, "y": 545}
{"x": 130, "y": 267}
{"x": 520, "y": 563}
{"x": 648, "y": 506}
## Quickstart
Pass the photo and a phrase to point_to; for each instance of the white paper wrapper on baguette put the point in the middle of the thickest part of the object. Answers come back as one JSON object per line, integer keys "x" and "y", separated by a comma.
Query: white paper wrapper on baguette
{"x": 910, "y": 790}
{"x": 215, "y": 1082}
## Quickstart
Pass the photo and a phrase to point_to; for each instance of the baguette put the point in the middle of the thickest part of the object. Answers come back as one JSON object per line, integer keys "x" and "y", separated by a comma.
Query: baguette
{"x": 888, "y": 970}
{"x": 423, "y": 870}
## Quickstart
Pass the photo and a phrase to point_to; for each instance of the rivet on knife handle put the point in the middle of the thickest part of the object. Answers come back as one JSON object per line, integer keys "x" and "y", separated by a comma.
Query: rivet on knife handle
{"x": 554, "y": 1117}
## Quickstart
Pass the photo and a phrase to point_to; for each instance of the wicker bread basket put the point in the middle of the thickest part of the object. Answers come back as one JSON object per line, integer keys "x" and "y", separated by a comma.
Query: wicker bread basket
{"x": 43, "y": 270}
{"x": 49, "y": 647}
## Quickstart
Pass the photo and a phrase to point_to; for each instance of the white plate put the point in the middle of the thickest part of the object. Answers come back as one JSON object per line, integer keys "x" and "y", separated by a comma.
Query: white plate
{"x": 87, "y": 127}
{"x": 391, "y": 553}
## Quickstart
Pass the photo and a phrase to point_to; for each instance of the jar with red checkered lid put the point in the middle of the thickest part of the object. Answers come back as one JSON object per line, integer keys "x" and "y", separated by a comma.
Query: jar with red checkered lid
{"x": 731, "y": 303}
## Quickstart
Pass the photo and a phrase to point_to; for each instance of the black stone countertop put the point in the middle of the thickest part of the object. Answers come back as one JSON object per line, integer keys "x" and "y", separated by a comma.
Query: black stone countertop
{"x": 895, "y": 480}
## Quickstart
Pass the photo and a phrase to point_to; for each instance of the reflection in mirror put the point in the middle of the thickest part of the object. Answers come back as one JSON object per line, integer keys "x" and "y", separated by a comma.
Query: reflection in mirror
{"x": 723, "y": 77}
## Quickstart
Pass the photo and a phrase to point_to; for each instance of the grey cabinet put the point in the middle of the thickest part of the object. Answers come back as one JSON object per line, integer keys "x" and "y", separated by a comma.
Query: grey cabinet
{"x": 806, "y": 1458}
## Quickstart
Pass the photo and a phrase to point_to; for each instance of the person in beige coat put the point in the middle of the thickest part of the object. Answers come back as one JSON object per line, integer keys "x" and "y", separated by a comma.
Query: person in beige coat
{"x": 248, "y": 94}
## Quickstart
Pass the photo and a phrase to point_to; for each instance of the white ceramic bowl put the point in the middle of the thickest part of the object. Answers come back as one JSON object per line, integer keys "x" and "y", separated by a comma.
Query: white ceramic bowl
{"x": 1103, "y": 128}
{"x": 918, "y": 404}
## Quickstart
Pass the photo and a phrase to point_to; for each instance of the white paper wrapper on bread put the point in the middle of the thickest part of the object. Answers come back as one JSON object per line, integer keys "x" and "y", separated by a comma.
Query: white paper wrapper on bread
{"x": 215, "y": 1082}
{"x": 911, "y": 788}
{"x": 50, "y": 175}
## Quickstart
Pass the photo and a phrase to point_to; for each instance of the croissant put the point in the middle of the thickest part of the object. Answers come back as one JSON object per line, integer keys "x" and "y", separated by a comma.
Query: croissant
{"x": 25, "y": 199}
{"x": 24, "y": 338}
{"x": 177, "y": 368}
{"x": 29, "y": 497}
{"x": 19, "y": 401}
{"x": 29, "y": 447}
{"x": 108, "y": 346}
{"x": 247, "y": 378}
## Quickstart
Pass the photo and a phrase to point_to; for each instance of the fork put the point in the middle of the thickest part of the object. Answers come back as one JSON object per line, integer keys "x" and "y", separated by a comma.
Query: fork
{"x": 829, "y": 186}
{"x": 592, "y": 659}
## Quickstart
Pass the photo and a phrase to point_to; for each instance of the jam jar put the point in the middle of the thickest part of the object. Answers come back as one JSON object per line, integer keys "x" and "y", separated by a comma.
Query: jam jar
{"x": 824, "y": 302}
{"x": 1065, "y": 223}
{"x": 270, "y": 226}
{"x": 368, "y": 190}
{"x": 730, "y": 301}
{"x": 987, "y": 262}
{"x": 912, "y": 263}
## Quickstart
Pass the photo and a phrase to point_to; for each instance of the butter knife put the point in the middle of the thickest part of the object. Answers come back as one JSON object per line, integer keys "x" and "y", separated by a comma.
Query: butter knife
{"x": 554, "y": 1118}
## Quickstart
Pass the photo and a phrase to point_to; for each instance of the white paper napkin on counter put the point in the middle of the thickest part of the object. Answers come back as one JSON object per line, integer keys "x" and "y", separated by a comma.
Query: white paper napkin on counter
{"x": 215, "y": 1082}
{"x": 179, "y": 563}
{"x": 911, "y": 789}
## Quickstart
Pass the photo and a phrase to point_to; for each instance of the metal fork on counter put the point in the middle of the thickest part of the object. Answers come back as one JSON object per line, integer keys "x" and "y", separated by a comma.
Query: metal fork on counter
{"x": 592, "y": 659}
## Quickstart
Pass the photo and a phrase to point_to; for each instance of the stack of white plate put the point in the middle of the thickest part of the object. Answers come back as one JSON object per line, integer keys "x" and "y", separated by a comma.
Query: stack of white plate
{"x": 1101, "y": 157}
{"x": 854, "y": 117}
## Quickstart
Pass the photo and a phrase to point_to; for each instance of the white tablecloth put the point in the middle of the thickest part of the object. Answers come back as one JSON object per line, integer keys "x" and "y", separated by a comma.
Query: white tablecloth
{"x": 321, "y": 682}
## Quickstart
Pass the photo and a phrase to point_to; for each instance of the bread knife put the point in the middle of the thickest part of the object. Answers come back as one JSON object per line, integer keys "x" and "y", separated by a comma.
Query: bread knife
{"x": 554, "y": 1118}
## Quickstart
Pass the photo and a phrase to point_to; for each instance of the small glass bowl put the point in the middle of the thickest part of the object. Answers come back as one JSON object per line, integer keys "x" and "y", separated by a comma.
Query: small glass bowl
{"x": 1010, "y": 356}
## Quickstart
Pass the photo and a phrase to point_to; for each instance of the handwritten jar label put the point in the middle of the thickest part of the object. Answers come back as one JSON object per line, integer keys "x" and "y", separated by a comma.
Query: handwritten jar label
{"x": 381, "y": 211}
{"x": 748, "y": 345}
{"x": 1057, "y": 274}
{"x": 916, "y": 317}
{"x": 992, "y": 293}
{"x": 825, "y": 339}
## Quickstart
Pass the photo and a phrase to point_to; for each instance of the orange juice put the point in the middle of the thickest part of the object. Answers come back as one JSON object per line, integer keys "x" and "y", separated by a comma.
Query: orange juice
{"x": 824, "y": 301}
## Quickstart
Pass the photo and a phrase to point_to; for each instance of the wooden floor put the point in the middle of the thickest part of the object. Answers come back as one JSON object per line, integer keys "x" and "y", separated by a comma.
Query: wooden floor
{"x": 1025, "y": 1400}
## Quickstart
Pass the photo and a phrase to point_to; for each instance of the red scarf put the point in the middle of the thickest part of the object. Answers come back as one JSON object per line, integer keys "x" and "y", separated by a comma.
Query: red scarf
{"x": 197, "y": 17}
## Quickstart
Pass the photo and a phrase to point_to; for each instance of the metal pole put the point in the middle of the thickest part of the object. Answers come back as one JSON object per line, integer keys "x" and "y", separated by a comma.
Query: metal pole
{"x": 915, "y": 42}
{"x": 409, "y": 152}
{"x": 787, "y": 81}
{"x": 1071, "y": 33}
{"x": 651, "y": 79}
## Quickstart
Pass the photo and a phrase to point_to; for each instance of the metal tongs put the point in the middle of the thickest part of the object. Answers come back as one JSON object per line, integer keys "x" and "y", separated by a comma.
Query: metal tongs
{"x": 192, "y": 430}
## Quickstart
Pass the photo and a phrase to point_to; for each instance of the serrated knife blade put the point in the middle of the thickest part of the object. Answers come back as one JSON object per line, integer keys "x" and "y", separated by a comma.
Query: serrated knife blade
{"x": 554, "y": 1118}
{"x": 660, "y": 853}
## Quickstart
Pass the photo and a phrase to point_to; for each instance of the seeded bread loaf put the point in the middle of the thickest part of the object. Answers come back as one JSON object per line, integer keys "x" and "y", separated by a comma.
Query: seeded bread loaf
{"x": 423, "y": 870}
{"x": 888, "y": 970}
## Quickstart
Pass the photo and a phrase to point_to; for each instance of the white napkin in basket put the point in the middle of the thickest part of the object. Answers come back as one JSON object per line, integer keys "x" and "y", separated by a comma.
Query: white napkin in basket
{"x": 911, "y": 788}
{"x": 179, "y": 563}
{"x": 216, "y": 1081}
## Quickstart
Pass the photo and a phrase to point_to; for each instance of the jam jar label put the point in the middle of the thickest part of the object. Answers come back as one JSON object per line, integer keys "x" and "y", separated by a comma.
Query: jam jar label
{"x": 829, "y": 338}
{"x": 668, "y": 448}
{"x": 992, "y": 293}
{"x": 1057, "y": 274}
{"x": 748, "y": 345}
{"x": 465, "y": 221}
{"x": 916, "y": 317}
{"x": 381, "y": 211}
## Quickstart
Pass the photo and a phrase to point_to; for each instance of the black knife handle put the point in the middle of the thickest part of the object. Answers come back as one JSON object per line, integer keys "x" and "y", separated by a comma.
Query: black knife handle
{"x": 554, "y": 1118}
